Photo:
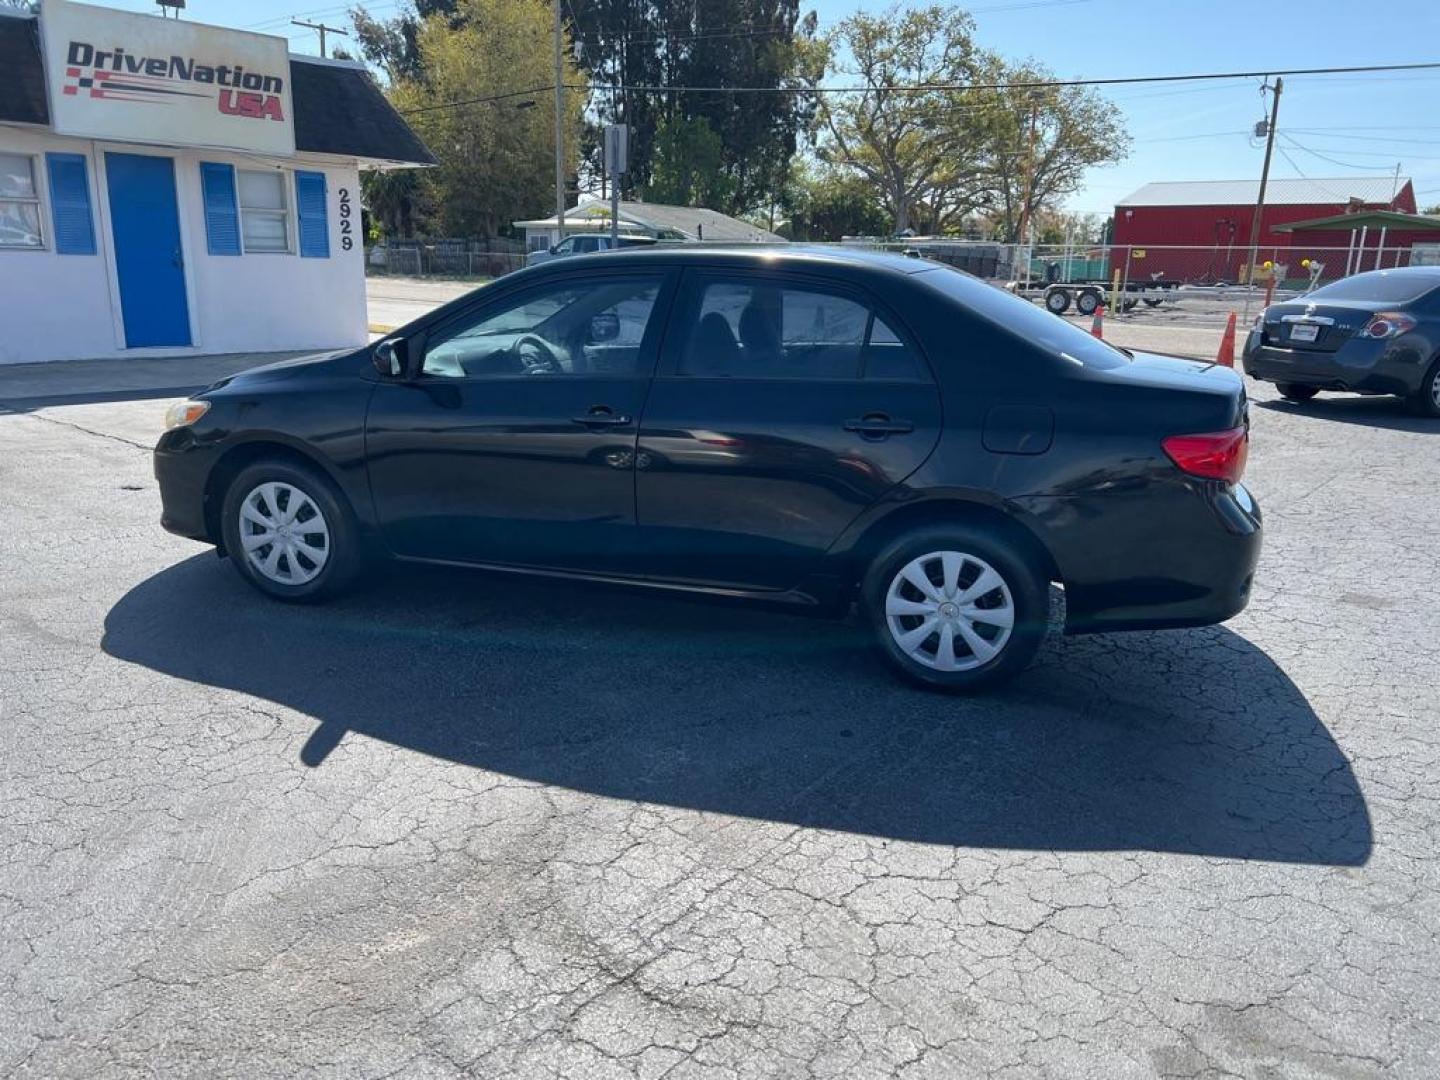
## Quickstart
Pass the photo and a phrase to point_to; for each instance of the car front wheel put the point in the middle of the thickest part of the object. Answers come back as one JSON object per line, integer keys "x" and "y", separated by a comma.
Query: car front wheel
{"x": 288, "y": 533}
{"x": 956, "y": 608}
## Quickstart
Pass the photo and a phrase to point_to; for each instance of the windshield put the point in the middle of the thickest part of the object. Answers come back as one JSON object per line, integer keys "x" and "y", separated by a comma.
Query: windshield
{"x": 1024, "y": 318}
{"x": 1381, "y": 286}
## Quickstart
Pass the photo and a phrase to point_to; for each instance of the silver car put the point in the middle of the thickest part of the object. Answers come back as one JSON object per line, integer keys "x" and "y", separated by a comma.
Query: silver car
{"x": 585, "y": 244}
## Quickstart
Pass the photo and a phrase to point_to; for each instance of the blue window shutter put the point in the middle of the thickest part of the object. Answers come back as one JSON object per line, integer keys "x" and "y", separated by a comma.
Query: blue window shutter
{"x": 314, "y": 228}
{"x": 222, "y": 212}
{"x": 70, "y": 205}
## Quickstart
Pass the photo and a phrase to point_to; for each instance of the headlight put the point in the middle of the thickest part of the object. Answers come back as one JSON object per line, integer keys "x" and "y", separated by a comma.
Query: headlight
{"x": 185, "y": 413}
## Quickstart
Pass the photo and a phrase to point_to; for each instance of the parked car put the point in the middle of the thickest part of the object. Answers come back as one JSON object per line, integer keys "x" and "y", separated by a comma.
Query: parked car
{"x": 814, "y": 428}
{"x": 1374, "y": 333}
{"x": 586, "y": 244}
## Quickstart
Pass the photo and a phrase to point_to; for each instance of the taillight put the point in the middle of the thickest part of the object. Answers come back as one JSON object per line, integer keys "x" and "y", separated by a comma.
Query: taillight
{"x": 1388, "y": 324}
{"x": 1216, "y": 455}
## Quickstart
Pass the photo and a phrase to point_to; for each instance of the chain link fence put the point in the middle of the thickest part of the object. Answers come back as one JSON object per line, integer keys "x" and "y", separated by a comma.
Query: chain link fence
{"x": 445, "y": 258}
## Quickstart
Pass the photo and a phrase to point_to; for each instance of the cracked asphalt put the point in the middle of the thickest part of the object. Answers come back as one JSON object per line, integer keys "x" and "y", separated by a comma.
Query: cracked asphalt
{"x": 457, "y": 825}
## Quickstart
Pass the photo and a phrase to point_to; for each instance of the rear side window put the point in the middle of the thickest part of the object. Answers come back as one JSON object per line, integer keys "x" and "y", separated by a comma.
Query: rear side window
{"x": 765, "y": 330}
{"x": 1029, "y": 321}
{"x": 1382, "y": 286}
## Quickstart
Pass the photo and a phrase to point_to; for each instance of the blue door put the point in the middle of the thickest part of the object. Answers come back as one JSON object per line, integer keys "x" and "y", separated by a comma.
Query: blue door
{"x": 148, "y": 258}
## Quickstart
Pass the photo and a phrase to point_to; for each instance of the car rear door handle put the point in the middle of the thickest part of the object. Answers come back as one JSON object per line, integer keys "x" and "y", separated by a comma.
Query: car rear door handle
{"x": 878, "y": 425}
{"x": 602, "y": 416}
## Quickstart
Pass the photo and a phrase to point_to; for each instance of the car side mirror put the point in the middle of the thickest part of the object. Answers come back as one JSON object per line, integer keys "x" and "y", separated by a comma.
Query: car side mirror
{"x": 392, "y": 358}
{"x": 554, "y": 249}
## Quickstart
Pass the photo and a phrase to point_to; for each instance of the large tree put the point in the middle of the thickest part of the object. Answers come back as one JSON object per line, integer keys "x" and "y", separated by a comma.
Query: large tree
{"x": 496, "y": 153}
{"x": 910, "y": 143}
{"x": 1040, "y": 141}
{"x": 693, "y": 56}
{"x": 947, "y": 131}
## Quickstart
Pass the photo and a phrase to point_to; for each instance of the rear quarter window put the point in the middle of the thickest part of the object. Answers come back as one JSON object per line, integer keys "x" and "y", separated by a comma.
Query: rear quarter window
{"x": 1381, "y": 287}
{"x": 1036, "y": 325}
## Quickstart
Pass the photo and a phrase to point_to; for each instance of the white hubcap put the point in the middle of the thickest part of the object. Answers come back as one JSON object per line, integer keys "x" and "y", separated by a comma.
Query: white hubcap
{"x": 949, "y": 611}
{"x": 1435, "y": 389}
{"x": 283, "y": 533}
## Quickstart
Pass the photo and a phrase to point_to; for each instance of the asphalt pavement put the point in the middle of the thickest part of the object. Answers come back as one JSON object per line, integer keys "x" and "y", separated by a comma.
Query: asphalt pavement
{"x": 456, "y": 824}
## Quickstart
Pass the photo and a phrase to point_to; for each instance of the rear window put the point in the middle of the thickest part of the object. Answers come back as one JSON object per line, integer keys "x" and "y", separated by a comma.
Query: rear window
{"x": 1024, "y": 318}
{"x": 1379, "y": 286}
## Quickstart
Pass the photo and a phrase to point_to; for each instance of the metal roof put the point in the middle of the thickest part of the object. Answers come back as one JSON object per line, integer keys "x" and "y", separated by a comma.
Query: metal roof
{"x": 1283, "y": 192}
{"x": 1364, "y": 219}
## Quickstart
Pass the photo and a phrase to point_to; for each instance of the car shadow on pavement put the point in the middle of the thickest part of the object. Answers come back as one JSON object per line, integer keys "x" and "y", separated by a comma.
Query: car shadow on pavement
{"x": 1389, "y": 413}
{"x": 1184, "y": 741}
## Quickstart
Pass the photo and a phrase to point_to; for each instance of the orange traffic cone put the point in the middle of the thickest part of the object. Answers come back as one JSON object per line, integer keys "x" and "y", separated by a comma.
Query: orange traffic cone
{"x": 1226, "y": 356}
{"x": 1097, "y": 325}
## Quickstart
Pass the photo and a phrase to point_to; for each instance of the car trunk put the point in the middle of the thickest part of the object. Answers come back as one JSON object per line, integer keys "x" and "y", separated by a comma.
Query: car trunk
{"x": 1186, "y": 395}
{"x": 1314, "y": 327}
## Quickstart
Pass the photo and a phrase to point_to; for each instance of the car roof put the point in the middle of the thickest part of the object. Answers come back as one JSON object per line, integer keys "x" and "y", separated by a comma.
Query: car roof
{"x": 785, "y": 256}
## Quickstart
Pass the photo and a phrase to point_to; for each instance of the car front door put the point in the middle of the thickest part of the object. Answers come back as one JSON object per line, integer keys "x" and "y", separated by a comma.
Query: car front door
{"x": 515, "y": 443}
{"x": 781, "y": 410}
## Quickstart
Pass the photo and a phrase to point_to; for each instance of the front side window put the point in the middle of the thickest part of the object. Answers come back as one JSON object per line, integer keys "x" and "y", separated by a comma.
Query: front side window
{"x": 19, "y": 203}
{"x": 763, "y": 330}
{"x": 264, "y": 213}
{"x": 567, "y": 328}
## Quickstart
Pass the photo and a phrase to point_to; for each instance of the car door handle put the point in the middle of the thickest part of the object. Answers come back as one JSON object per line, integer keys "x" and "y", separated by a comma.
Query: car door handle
{"x": 601, "y": 416}
{"x": 878, "y": 424}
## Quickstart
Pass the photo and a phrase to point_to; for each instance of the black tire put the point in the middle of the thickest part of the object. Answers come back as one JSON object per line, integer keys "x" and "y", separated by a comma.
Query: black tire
{"x": 341, "y": 544}
{"x": 1087, "y": 302}
{"x": 1426, "y": 400}
{"x": 1151, "y": 303}
{"x": 1028, "y": 595}
{"x": 1057, "y": 301}
{"x": 1296, "y": 392}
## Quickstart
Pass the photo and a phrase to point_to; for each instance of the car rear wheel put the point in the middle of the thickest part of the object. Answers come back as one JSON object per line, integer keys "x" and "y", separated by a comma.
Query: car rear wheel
{"x": 288, "y": 532}
{"x": 1426, "y": 400}
{"x": 955, "y": 608}
{"x": 1296, "y": 391}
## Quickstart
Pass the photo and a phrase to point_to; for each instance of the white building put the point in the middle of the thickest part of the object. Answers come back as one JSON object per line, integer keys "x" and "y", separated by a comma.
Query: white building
{"x": 659, "y": 220}
{"x": 168, "y": 188}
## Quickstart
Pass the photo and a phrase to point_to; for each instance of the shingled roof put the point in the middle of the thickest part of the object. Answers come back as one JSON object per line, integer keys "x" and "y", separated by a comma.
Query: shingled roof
{"x": 338, "y": 108}
{"x": 22, "y": 75}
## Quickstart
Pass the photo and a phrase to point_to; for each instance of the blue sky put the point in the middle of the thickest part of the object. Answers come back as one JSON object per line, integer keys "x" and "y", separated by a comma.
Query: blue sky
{"x": 1331, "y": 126}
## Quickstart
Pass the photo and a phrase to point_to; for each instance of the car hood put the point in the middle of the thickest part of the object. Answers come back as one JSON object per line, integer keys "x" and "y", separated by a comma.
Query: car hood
{"x": 284, "y": 369}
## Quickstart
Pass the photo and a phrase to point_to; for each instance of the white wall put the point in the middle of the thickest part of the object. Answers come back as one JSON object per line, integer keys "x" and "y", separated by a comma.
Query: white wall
{"x": 60, "y": 307}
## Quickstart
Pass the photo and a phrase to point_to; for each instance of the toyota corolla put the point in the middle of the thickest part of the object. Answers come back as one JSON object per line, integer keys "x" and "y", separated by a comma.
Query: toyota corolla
{"x": 815, "y": 428}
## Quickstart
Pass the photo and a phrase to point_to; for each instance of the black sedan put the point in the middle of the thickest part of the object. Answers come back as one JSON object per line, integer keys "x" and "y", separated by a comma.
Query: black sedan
{"x": 815, "y": 428}
{"x": 1374, "y": 333}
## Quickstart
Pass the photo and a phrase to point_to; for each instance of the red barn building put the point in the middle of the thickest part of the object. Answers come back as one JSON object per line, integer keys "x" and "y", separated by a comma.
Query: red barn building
{"x": 1212, "y": 220}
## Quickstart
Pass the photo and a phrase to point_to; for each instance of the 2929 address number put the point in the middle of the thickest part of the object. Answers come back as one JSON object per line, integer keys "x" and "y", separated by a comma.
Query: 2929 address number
{"x": 347, "y": 235}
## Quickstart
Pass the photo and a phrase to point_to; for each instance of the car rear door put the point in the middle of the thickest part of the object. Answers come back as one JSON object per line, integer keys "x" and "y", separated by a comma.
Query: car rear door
{"x": 782, "y": 408}
{"x": 516, "y": 443}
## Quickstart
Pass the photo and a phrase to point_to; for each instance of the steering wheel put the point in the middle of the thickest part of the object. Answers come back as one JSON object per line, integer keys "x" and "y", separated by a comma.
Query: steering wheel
{"x": 537, "y": 355}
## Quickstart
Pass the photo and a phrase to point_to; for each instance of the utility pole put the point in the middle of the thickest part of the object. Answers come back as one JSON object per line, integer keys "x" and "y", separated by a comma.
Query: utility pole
{"x": 1029, "y": 184}
{"x": 323, "y": 31}
{"x": 559, "y": 130}
{"x": 1260, "y": 200}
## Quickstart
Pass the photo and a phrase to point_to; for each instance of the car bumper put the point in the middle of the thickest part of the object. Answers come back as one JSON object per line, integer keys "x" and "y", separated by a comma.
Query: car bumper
{"x": 182, "y": 469}
{"x": 1360, "y": 365}
{"x": 1182, "y": 557}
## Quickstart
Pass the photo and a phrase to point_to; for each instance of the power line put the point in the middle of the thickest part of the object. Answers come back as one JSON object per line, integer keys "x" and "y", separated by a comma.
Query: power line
{"x": 1038, "y": 84}
{"x": 480, "y": 100}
